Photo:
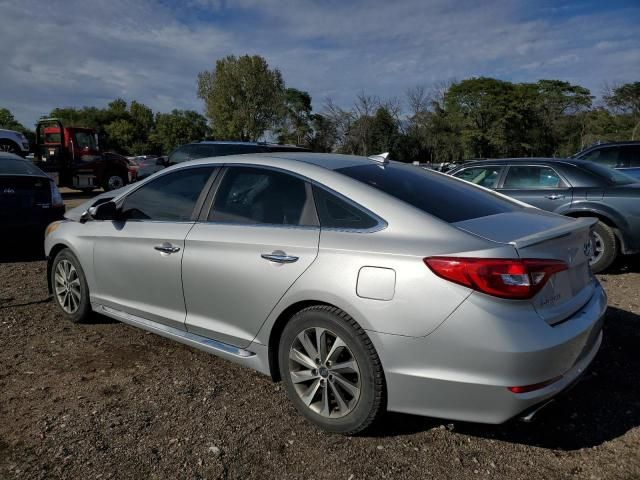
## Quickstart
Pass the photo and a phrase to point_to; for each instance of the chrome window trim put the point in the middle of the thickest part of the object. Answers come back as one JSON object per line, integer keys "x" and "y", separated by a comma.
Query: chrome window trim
{"x": 381, "y": 223}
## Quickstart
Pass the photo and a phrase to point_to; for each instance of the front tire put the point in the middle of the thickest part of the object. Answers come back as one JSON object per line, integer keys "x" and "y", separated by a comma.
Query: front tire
{"x": 331, "y": 371}
{"x": 605, "y": 248}
{"x": 113, "y": 181}
{"x": 69, "y": 285}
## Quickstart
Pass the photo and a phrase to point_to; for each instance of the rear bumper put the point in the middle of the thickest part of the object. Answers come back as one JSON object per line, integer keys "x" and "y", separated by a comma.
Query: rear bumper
{"x": 462, "y": 370}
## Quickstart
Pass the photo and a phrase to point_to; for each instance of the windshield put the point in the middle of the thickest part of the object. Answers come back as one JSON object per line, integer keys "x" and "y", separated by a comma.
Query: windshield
{"x": 439, "y": 195}
{"x": 613, "y": 177}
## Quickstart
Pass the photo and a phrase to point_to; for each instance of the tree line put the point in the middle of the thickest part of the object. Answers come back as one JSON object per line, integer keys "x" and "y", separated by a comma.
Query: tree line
{"x": 247, "y": 100}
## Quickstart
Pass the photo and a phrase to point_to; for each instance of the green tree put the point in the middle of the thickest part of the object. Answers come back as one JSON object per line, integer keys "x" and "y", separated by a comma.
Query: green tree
{"x": 243, "y": 97}
{"x": 626, "y": 99}
{"x": 177, "y": 128}
{"x": 8, "y": 121}
{"x": 295, "y": 124}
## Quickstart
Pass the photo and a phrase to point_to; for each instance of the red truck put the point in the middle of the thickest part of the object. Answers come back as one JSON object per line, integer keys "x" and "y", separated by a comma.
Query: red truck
{"x": 72, "y": 157}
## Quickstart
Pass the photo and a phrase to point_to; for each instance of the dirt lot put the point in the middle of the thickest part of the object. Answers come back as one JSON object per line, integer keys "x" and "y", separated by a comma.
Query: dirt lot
{"x": 104, "y": 400}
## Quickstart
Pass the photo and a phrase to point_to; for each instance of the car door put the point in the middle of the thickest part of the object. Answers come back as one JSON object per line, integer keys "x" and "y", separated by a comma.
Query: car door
{"x": 137, "y": 259}
{"x": 537, "y": 185}
{"x": 259, "y": 235}
{"x": 484, "y": 175}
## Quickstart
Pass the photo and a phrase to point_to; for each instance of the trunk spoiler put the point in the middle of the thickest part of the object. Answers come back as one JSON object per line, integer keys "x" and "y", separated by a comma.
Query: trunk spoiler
{"x": 555, "y": 232}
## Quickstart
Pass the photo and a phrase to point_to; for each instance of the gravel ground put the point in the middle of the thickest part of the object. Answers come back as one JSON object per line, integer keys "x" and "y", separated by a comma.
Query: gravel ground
{"x": 104, "y": 400}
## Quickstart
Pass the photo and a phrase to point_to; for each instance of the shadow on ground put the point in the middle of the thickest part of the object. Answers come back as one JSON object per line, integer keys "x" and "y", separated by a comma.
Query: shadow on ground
{"x": 604, "y": 405}
{"x": 22, "y": 249}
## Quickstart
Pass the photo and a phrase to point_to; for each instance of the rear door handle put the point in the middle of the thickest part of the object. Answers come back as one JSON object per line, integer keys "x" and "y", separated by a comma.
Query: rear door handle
{"x": 166, "y": 247}
{"x": 554, "y": 197}
{"x": 279, "y": 257}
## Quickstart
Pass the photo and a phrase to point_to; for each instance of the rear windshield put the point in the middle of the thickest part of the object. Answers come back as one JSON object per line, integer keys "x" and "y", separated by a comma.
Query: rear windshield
{"x": 444, "y": 197}
{"x": 613, "y": 177}
{"x": 17, "y": 166}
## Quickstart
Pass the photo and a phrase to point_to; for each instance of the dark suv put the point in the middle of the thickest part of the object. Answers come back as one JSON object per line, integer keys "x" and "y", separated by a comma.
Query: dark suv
{"x": 623, "y": 156}
{"x": 191, "y": 151}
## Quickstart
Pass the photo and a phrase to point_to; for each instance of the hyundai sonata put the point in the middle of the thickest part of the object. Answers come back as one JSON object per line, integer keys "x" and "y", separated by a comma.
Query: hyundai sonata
{"x": 364, "y": 285}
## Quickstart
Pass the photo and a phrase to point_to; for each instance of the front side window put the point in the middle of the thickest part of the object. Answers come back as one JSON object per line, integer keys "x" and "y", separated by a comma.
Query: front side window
{"x": 334, "y": 212}
{"x": 526, "y": 177}
{"x": 607, "y": 156}
{"x": 250, "y": 195}
{"x": 181, "y": 154}
{"x": 169, "y": 198}
{"x": 630, "y": 156}
{"x": 484, "y": 176}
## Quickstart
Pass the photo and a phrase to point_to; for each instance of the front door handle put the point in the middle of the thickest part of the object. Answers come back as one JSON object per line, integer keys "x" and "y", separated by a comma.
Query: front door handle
{"x": 166, "y": 247}
{"x": 554, "y": 196}
{"x": 279, "y": 257}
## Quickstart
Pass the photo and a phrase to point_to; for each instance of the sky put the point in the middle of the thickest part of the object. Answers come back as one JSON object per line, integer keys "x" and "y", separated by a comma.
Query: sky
{"x": 61, "y": 53}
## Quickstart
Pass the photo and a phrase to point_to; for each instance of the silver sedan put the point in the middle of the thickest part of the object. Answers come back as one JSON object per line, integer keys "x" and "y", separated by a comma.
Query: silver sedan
{"x": 364, "y": 285}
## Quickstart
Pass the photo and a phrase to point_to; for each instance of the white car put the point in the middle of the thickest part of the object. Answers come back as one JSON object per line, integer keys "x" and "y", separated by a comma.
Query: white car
{"x": 13, "y": 142}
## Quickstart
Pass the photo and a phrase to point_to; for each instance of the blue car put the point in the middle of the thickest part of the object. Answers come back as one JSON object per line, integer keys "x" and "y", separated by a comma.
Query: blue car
{"x": 576, "y": 188}
{"x": 623, "y": 156}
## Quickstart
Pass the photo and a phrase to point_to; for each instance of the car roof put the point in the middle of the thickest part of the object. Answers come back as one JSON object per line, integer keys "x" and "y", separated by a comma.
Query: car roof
{"x": 239, "y": 143}
{"x": 527, "y": 160}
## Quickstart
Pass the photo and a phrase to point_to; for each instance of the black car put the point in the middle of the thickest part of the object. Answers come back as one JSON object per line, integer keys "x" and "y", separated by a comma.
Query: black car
{"x": 623, "y": 156}
{"x": 191, "y": 151}
{"x": 576, "y": 188}
{"x": 29, "y": 199}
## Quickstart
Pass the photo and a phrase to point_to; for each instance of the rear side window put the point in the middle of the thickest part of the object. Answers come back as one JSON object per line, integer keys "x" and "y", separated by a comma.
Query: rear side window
{"x": 249, "y": 195}
{"x": 439, "y": 195}
{"x": 334, "y": 212}
{"x": 607, "y": 156}
{"x": 169, "y": 198}
{"x": 531, "y": 177}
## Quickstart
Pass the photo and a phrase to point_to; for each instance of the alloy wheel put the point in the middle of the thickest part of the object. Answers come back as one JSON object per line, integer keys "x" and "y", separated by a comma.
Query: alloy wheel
{"x": 324, "y": 372}
{"x": 598, "y": 248}
{"x": 67, "y": 286}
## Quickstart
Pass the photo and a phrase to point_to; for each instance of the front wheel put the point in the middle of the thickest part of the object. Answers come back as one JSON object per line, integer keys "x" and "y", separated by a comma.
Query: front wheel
{"x": 605, "y": 248}
{"x": 113, "y": 181}
{"x": 69, "y": 285}
{"x": 331, "y": 370}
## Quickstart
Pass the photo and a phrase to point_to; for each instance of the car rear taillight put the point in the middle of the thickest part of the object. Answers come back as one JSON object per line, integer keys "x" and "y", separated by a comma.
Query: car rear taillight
{"x": 533, "y": 387}
{"x": 56, "y": 197}
{"x": 504, "y": 278}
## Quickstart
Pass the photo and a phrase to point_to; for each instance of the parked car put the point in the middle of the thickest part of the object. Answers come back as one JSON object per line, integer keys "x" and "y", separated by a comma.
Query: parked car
{"x": 29, "y": 199}
{"x": 192, "y": 151}
{"x": 13, "y": 142}
{"x": 576, "y": 188}
{"x": 624, "y": 156}
{"x": 351, "y": 279}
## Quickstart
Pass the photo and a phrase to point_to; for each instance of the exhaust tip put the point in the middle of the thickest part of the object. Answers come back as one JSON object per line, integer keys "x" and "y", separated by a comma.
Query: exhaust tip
{"x": 528, "y": 416}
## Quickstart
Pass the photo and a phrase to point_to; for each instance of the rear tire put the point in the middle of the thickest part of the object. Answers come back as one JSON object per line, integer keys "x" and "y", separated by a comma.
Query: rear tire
{"x": 338, "y": 382}
{"x": 605, "y": 248}
{"x": 69, "y": 285}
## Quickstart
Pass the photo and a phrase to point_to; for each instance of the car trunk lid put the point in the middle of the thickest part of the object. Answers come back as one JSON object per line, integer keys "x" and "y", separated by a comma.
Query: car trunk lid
{"x": 541, "y": 235}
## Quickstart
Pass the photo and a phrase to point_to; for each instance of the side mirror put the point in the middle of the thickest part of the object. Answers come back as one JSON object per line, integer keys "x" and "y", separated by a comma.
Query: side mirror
{"x": 104, "y": 211}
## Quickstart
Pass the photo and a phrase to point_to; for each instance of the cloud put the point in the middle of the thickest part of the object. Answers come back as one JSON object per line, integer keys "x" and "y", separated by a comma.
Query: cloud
{"x": 87, "y": 52}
